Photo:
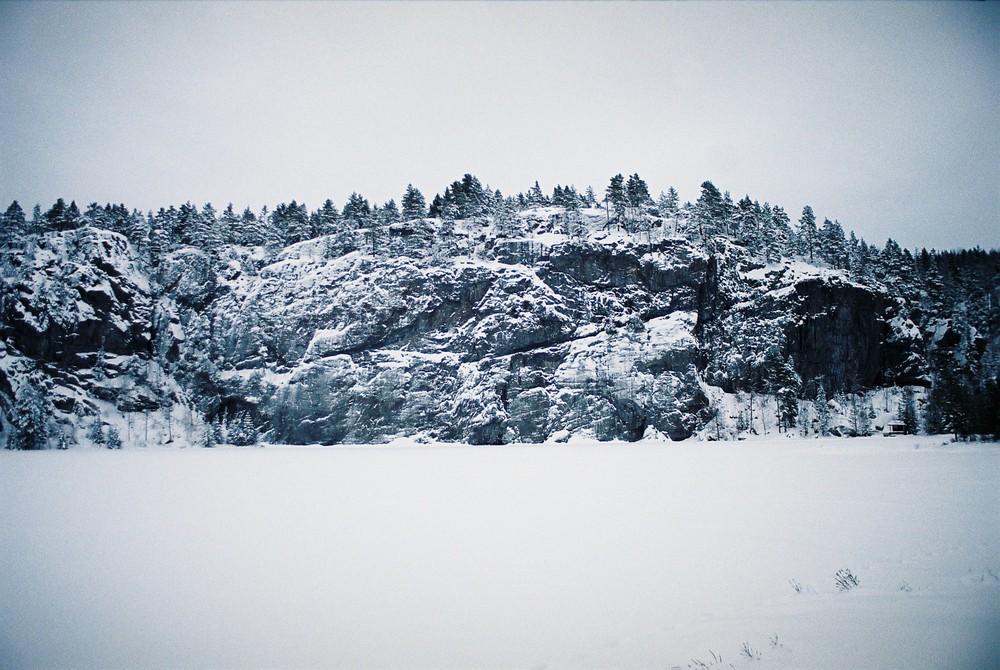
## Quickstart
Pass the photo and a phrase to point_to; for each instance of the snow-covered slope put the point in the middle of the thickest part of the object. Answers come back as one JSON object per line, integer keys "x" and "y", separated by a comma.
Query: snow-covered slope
{"x": 558, "y": 556}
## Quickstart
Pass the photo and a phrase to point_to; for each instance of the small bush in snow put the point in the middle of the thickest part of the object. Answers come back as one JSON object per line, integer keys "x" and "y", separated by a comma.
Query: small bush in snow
{"x": 96, "y": 433}
{"x": 845, "y": 579}
{"x": 113, "y": 440}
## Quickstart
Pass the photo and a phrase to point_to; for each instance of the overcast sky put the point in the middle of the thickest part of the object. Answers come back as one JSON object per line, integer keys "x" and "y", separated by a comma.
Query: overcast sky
{"x": 885, "y": 116}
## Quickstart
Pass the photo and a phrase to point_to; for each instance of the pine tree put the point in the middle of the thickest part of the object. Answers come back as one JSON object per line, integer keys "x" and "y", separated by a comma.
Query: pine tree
{"x": 377, "y": 232}
{"x": 709, "y": 211}
{"x": 860, "y": 422}
{"x": 535, "y": 197}
{"x": 770, "y": 240}
{"x": 29, "y": 417}
{"x": 822, "y": 410}
{"x": 506, "y": 221}
{"x": 55, "y": 218}
{"x": 413, "y": 203}
{"x": 139, "y": 234}
{"x": 113, "y": 439}
{"x": 209, "y": 438}
{"x": 39, "y": 223}
{"x": 293, "y": 222}
{"x": 748, "y": 224}
{"x": 12, "y": 225}
{"x": 206, "y": 234}
{"x": 907, "y": 412}
{"x": 185, "y": 224}
{"x": 783, "y": 231}
{"x": 637, "y": 193}
{"x": 437, "y": 207}
{"x": 808, "y": 238}
{"x": 357, "y": 211}
{"x": 97, "y": 216}
{"x": 251, "y": 228}
{"x": 833, "y": 244}
{"x": 325, "y": 220}
{"x": 229, "y": 225}
{"x": 96, "y": 432}
{"x": 669, "y": 207}
{"x": 615, "y": 195}
{"x": 242, "y": 431}
{"x": 390, "y": 213}
{"x": 470, "y": 196}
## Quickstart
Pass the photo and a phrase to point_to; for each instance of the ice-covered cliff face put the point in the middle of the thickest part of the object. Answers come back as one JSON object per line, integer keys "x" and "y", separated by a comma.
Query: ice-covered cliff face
{"x": 476, "y": 338}
{"x": 526, "y": 341}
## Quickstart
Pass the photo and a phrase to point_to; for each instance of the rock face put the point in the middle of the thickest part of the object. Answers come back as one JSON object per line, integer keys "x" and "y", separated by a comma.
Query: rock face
{"x": 843, "y": 334}
{"x": 478, "y": 339}
{"x": 79, "y": 320}
{"x": 79, "y": 292}
{"x": 475, "y": 350}
{"x": 851, "y": 337}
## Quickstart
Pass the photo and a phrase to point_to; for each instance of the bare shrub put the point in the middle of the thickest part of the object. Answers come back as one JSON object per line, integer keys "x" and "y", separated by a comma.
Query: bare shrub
{"x": 845, "y": 579}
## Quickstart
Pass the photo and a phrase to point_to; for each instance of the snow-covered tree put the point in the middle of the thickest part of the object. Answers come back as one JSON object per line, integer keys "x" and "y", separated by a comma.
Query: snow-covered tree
{"x": 616, "y": 197}
{"x": 907, "y": 412}
{"x": 669, "y": 208}
{"x": 413, "y": 203}
{"x": 709, "y": 211}
{"x": 242, "y": 431}
{"x": 807, "y": 235}
{"x": 29, "y": 417}
{"x": 113, "y": 440}
{"x": 357, "y": 211}
{"x": 823, "y": 414}
{"x": 12, "y": 225}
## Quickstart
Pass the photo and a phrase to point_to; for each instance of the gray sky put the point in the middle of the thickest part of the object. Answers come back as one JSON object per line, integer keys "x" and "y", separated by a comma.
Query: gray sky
{"x": 885, "y": 116}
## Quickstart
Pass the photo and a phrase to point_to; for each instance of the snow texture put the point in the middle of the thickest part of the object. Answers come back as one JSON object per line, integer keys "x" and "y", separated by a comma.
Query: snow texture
{"x": 651, "y": 555}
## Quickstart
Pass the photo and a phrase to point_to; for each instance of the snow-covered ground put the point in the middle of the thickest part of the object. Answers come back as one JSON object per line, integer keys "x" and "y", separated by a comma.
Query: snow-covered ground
{"x": 651, "y": 555}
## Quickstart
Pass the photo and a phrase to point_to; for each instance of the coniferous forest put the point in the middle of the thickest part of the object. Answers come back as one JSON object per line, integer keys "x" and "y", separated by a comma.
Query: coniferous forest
{"x": 483, "y": 317}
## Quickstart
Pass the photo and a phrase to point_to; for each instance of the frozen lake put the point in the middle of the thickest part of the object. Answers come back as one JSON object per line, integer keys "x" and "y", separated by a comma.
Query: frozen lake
{"x": 604, "y": 555}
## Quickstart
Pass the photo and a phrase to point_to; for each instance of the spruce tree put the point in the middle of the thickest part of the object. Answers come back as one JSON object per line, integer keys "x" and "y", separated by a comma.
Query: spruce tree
{"x": 293, "y": 222}
{"x": 748, "y": 224}
{"x": 615, "y": 194}
{"x": 669, "y": 208}
{"x": 39, "y": 224}
{"x": 357, "y": 211}
{"x": 709, "y": 211}
{"x": 229, "y": 225}
{"x": 437, "y": 207}
{"x": 390, "y": 213}
{"x": 822, "y": 410}
{"x": 907, "y": 412}
{"x": 783, "y": 231}
{"x": 637, "y": 192}
{"x": 12, "y": 225}
{"x": 326, "y": 219}
{"x": 535, "y": 197}
{"x": 413, "y": 203}
{"x": 808, "y": 236}
{"x": 29, "y": 416}
{"x": 55, "y": 218}
{"x": 770, "y": 237}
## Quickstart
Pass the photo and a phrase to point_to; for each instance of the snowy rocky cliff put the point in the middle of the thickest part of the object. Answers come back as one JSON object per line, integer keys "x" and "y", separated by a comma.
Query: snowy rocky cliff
{"x": 443, "y": 334}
